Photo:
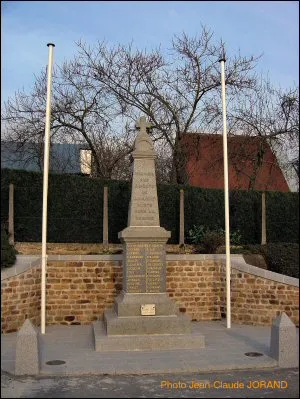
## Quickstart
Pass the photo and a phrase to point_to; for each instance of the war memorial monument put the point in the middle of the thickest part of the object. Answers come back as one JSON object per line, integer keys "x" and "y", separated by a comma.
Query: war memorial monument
{"x": 143, "y": 316}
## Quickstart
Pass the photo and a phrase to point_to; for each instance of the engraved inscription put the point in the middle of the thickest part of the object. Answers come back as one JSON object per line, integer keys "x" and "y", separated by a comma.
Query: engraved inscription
{"x": 145, "y": 267}
{"x": 144, "y": 208}
{"x": 135, "y": 269}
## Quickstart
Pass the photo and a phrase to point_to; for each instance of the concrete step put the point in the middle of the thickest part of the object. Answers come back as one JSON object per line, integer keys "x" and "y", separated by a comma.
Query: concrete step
{"x": 137, "y": 325}
{"x": 155, "y": 342}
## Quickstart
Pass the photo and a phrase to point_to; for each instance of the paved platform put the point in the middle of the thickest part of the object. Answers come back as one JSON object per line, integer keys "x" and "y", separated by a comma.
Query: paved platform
{"x": 225, "y": 350}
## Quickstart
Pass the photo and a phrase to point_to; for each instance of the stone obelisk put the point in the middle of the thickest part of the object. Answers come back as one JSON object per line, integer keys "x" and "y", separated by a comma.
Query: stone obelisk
{"x": 143, "y": 316}
{"x": 144, "y": 240}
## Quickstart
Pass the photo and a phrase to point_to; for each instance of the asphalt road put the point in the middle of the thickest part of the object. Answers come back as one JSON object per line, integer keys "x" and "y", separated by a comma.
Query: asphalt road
{"x": 267, "y": 383}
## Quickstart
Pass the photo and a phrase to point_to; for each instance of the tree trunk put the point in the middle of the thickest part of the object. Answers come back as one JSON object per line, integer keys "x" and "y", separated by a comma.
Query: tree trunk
{"x": 258, "y": 164}
{"x": 179, "y": 174}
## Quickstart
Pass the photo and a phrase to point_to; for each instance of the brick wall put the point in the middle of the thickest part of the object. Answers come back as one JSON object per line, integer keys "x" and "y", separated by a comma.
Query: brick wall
{"x": 79, "y": 292}
{"x": 196, "y": 287}
{"x": 80, "y": 288}
{"x": 21, "y": 299}
{"x": 257, "y": 300}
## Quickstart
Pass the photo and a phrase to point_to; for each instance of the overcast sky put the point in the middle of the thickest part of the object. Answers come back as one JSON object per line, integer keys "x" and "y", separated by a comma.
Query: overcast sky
{"x": 254, "y": 27}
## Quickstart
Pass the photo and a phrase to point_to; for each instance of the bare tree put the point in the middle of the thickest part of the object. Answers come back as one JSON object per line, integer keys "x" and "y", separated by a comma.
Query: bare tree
{"x": 23, "y": 128}
{"x": 271, "y": 115}
{"x": 178, "y": 91}
{"x": 99, "y": 95}
{"x": 81, "y": 114}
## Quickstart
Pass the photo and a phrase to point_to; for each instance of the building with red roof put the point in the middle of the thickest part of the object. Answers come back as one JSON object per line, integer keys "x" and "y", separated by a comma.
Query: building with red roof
{"x": 251, "y": 163}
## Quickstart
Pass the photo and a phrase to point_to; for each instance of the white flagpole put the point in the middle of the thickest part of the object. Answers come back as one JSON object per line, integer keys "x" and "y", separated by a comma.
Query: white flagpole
{"x": 45, "y": 189}
{"x": 227, "y": 235}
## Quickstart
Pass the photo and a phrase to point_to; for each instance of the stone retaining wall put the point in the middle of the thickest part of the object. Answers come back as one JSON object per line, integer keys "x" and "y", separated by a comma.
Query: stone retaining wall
{"x": 257, "y": 300}
{"x": 79, "y": 288}
{"x": 20, "y": 296}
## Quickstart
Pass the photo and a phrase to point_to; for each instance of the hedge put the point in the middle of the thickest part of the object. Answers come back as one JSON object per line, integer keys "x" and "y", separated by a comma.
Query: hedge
{"x": 282, "y": 211}
{"x": 8, "y": 251}
{"x": 282, "y": 258}
{"x": 75, "y": 205}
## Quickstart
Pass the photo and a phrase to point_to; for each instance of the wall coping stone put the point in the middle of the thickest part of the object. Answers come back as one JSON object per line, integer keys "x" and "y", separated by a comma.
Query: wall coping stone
{"x": 238, "y": 263}
{"x": 25, "y": 262}
{"x": 90, "y": 258}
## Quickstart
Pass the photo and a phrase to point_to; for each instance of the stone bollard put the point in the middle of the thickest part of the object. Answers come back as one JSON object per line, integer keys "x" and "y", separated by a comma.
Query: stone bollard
{"x": 27, "y": 350}
{"x": 283, "y": 345}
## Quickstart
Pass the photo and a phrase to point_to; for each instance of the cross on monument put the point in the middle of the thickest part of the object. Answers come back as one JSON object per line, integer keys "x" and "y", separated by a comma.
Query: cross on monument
{"x": 143, "y": 125}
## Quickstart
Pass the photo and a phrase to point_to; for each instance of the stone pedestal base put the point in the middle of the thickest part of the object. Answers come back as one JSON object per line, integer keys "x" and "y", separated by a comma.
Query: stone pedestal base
{"x": 125, "y": 329}
{"x": 128, "y": 304}
{"x": 126, "y": 318}
{"x": 145, "y": 325}
{"x": 145, "y": 342}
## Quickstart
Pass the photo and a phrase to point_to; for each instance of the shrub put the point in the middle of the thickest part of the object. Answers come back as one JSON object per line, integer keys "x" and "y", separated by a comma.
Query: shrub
{"x": 197, "y": 233}
{"x": 8, "y": 251}
{"x": 235, "y": 237}
{"x": 281, "y": 258}
{"x": 211, "y": 241}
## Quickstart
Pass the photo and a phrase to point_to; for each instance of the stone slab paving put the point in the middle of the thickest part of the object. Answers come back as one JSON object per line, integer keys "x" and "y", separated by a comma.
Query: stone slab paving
{"x": 225, "y": 350}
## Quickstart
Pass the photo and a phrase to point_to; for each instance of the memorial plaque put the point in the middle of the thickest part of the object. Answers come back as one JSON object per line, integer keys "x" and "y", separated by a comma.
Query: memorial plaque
{"x": 148, "y": 310}
{"x": 145, "y": 270}
{"x": 135, "y": 268}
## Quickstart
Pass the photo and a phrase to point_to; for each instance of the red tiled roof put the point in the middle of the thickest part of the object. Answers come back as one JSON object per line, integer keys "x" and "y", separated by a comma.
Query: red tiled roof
{"x": 204, "y": 166}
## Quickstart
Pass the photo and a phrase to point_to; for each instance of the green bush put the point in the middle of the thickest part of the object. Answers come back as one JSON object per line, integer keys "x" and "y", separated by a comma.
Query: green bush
{"x": 8, "y": 251}
{"x": 235, "y": 237}
{"x": 197, "y": 233}
{"x": 205, "y": 240}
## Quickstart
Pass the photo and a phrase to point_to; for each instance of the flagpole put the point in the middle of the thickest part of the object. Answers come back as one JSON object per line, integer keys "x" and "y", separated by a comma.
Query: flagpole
{"x": 226, "y": 194}
{"x": 45, "y": 189}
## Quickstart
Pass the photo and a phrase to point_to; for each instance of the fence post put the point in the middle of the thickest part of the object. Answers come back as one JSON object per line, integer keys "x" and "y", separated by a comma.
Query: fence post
{"x": 181, "y": 218}
{"x": 105, "y": 216}
{"x": 11, "y": 215}
{"x": 263, "y": 219}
